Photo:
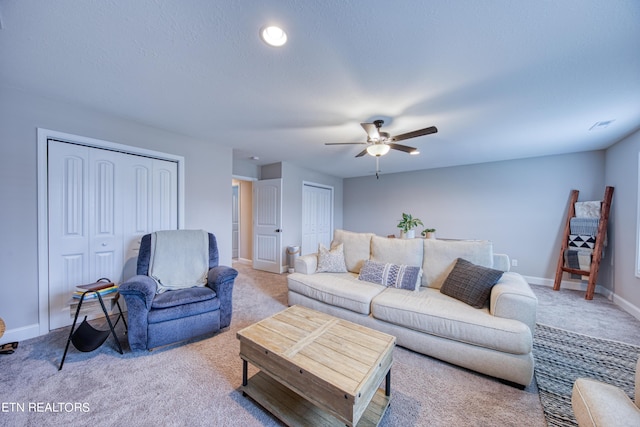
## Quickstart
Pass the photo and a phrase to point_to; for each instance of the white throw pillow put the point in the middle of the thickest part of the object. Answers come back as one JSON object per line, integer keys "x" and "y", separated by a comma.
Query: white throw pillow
{"x": 331, "y": 260}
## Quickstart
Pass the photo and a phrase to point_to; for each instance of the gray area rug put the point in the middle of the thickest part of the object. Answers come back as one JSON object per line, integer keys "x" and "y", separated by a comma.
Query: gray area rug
{"x": 562, "y": 356}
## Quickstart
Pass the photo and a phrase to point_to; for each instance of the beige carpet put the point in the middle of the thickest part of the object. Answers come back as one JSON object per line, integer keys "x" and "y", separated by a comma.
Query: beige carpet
{"x": 196, "y": 384}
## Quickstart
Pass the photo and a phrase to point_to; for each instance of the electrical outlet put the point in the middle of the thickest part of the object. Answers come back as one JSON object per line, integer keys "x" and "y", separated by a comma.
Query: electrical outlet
{"x": 514, "y": 263}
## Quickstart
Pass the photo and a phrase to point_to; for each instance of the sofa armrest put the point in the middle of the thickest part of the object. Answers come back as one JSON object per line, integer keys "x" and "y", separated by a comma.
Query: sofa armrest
{"x": 221, "y": 280}
{"x": 306, "y": 264}
{"x": 138, "y": 292}
{"x": 512, "y": 298}
{"x": 501, "y": 262}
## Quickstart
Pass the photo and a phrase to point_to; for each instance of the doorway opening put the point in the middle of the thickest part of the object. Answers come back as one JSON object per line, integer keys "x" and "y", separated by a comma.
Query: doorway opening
{"x": 242, "y": 219}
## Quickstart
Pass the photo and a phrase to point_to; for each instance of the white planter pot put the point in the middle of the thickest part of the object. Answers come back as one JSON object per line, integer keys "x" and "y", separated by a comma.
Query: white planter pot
{"x": 411, "y": 234}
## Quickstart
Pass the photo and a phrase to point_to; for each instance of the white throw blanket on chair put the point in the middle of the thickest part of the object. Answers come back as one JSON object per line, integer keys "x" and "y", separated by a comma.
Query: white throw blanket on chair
{"x": 179, "y": 259}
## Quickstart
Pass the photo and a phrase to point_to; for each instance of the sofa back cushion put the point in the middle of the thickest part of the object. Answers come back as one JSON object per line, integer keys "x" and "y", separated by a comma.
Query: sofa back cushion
{"x": 397, "y": 251}
{"x": 440, "y": 256}
{"x": 357, "y": 248}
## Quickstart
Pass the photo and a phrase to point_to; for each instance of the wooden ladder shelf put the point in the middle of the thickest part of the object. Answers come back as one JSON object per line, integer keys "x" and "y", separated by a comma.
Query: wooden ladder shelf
{"x": 592, "y": 273}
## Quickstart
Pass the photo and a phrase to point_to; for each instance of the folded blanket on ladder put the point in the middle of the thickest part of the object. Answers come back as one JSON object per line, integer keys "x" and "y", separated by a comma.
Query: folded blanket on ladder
{"x": 588, "y": 209}
{"x": 584, "y": 226}
{"x": 579, "y": 259}
{"x": 583, "y": 241}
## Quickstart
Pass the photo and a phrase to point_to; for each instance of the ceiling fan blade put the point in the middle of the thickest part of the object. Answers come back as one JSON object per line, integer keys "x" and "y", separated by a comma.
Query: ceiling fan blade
{"x": 404, "y": 148}
{"x": 371, "y": 130}
{"x": 362, "y": 153}
{"x": 415, "y": 133}
{"x": 344, "y": 143}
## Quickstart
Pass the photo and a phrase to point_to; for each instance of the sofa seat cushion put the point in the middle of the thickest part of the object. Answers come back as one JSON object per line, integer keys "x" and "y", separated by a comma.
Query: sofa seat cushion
{"x": 342, "y": 290}
{"x": 429, "y": 311}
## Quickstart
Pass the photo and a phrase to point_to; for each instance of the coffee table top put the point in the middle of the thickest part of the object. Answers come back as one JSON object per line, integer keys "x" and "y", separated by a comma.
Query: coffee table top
{"x": 342, "y": 353}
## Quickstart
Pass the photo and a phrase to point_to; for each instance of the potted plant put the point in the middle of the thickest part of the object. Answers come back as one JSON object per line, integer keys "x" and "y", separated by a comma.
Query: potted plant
{"x": 429, "y": 233}
{"x": 407, "y": 225}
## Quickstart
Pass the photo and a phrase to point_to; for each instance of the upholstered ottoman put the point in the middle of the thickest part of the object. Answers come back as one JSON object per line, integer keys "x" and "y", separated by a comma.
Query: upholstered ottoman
{"x": 598, "y": 404}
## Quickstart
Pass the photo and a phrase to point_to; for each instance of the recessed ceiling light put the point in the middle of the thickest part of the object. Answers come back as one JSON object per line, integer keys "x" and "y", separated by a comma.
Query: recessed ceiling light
{"x": 273, "y": 36}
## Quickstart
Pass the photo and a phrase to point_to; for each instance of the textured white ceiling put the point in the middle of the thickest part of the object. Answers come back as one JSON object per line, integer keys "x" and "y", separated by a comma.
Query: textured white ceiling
{"x": 501, "y": 79}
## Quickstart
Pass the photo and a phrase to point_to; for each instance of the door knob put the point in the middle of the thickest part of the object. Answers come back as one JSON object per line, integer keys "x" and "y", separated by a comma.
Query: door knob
{"x": 278, "y": 230}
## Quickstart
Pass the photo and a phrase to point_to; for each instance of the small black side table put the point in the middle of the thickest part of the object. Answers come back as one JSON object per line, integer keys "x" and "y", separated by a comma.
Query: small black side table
{"x": 86, "y": 338}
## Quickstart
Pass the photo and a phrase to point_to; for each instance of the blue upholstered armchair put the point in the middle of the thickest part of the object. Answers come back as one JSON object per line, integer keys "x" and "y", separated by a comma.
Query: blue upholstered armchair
{"x": 157, "y": 319}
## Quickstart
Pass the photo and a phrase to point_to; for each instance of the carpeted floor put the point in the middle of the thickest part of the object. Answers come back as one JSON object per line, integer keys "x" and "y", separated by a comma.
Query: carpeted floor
{"x": 197, "y": 383}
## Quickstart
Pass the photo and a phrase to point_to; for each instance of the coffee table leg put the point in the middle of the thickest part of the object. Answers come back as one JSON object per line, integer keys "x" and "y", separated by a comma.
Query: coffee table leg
{"x": 244, "y": 372}
{"x": 387, "y": 384}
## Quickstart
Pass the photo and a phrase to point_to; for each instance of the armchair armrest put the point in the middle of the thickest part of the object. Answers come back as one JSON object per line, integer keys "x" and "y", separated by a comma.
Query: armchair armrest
{"x": 142, "y": 287}
{"x": 306, "y": 264}
{"x": 221, "y": 279}
{"x": 512, "y": 298}
{"x": 138, "y": 292}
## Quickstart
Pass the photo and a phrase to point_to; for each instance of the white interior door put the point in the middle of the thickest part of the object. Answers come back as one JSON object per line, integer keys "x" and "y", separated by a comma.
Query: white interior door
{"x": 317, "y": 217}
{"x": 101, "y": 203}
{"x": 267, "y": 225}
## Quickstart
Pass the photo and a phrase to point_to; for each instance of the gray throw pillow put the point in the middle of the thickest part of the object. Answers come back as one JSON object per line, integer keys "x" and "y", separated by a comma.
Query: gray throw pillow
{"x": 391, "y": 275}
{"x": 470, "y": 283}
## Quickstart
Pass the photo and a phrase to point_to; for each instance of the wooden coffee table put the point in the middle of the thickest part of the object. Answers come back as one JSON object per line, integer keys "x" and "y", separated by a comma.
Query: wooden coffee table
{"x": 316, "y": 369}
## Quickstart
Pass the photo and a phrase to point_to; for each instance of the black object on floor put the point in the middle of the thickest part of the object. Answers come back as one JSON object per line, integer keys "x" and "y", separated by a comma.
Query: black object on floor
{"x": 86, "y": 337}
{"x": 8, "y": 348}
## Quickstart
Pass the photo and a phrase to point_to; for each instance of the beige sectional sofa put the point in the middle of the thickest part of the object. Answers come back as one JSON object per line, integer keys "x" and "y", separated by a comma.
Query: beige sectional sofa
{"x": 495, "y": 340}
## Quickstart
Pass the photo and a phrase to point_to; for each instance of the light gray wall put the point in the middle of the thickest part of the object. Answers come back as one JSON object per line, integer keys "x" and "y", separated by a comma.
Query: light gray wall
{"x": 520, "y": 205}
{"x": 207, "y": 184}
{"x": 622, "y": 173}
{"x": 245, "y": 169}
{"x": 293, "y": 178}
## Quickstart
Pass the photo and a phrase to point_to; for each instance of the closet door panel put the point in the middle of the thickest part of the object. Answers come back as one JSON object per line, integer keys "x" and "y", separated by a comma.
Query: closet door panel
{"x": 105, "y": 215}
{"x": 69, "y": 260}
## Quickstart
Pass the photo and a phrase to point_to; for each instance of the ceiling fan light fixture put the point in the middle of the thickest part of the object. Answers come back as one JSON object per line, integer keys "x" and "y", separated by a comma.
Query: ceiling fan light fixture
{"x": 273, "y": 36}
{"x": 414, "y": 152}
{"x": 378, "y": 150}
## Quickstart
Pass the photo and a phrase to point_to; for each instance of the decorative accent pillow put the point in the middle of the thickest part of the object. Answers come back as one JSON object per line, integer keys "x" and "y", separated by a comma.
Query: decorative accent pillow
{"x": 393, "y": 275}
{"x": 331, "y": 260}
{"x": 470, "y": 283}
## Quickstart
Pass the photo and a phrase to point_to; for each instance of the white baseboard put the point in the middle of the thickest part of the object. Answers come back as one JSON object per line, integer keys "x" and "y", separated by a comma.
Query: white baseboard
{"x": 20, "y": 334}
{"x": 580, "y": 286}
{"x": 626, "y": 306}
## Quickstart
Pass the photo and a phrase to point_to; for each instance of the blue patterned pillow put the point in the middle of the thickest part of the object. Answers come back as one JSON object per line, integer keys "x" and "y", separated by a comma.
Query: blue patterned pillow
{"x": 391, "y": 275}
